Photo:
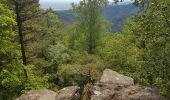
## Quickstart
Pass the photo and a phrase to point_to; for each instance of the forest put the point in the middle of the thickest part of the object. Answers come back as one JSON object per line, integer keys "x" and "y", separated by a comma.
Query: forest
{"x": 37, "y": 50}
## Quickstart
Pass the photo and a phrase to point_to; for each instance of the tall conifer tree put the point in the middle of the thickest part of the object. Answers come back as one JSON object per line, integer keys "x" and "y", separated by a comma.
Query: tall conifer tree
{"x": 89, "y": 13}
{"x": 24, "y": 10}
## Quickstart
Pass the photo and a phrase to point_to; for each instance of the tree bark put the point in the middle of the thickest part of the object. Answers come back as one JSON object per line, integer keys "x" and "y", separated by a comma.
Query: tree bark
{"x": 21, "y": 40}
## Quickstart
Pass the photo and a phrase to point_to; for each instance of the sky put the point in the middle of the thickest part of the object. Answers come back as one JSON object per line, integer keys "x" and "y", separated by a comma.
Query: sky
{"x": 62, "y": 4}
{"x": 68, "y": 1}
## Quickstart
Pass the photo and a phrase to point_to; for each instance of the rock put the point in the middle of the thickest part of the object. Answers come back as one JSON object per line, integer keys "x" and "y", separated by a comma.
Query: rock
{"x": 68, "y": 93}
{"x": 103, "y": 91}
{"x": 114, "y": 86}
{"x": 137, "y": 93}
{"x": 112, "y": 77}
{"x": 126, "y": 93}
{"x": 43, "y": 94}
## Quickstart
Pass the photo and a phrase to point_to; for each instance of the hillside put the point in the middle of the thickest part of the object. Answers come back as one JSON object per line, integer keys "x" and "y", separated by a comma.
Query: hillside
{"x": 114, "y": 14}
{"x": 100, "y": 51}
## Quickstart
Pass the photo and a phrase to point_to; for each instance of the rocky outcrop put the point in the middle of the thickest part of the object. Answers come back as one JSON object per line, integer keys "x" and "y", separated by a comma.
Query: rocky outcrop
{"x": 69, "y": 93}
{"x": 112, "y": 77}
{"x": 43, "y": 94}
{"x": 137, "y": 93}
{"x": 114, "y": 86}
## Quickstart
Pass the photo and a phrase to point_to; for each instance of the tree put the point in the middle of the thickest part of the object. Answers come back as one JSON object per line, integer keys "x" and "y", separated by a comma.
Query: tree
{"x": 44, "y": 32}
{"x": 156, "y": 40}
{"x": 7, "y": 47}
{"x": 9, "y": 55}
{"x": 24, "y": 10}
{"x": 151, "y": 32}
{"x": 89, "y": 14}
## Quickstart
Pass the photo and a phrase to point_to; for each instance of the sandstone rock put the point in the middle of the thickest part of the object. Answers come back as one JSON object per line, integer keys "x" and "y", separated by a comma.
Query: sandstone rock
{"x": 112, "y": 77}
{"x": 137, "y": 93}
{"x": 114, "y": 86}
{"x": 126, "y": 93}
{"x": 43, "y": 94}
{"x": 103, "y": 91}
{"x": 68, "y": 93}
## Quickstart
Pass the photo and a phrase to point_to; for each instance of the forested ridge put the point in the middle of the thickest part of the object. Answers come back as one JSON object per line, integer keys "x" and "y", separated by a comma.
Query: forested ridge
{"x": 37, "y": 50}
{"x": 115, "y": 14}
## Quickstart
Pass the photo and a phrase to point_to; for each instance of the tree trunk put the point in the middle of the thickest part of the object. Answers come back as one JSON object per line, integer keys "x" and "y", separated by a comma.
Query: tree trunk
{"x": 21, "y": 40}
{"x": 90, "y": 51}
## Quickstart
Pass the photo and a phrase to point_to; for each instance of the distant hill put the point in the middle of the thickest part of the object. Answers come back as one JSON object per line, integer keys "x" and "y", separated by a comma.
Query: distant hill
{"x": 115, "y": 14}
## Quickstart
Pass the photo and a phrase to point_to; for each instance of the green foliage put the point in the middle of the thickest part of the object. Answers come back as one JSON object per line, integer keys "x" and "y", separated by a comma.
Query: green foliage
{"x": 61, "y": 55}
{"x": 11, "y": 75}
{"x": 57, "y": 54}
{"x": 147, "y": 39}
{"x": 89, "y": 16}
{"x": 89, "y": 69}
{"x": 120, "y": 52}
{"x": 45, "y": 32}
{"x": 8, "y": 55}
{"x": 35, "y": 82}
{"x": 7, "y": 35}
{"x": 77, "y": 38}
{"x": 13, "y": 81}
{"x": 156, "y": 42}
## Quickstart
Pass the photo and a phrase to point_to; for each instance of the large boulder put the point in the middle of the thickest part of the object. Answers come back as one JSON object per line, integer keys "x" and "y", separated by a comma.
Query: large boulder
{"x": 111, "y": 77}
{"x": 69, "y": 93}
{"x": 43, "y": 94}
{"x": 133, "y": 92}
{"x": 137, "y": 93}
{"x": 114, "y": 86}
